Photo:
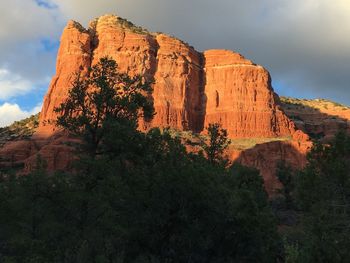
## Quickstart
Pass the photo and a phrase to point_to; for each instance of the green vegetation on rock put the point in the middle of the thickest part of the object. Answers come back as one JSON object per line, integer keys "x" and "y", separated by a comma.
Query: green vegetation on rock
{"x": 315, "y": 212}
{"x": 19, "y": 129}
{"x": 312, "y": 103}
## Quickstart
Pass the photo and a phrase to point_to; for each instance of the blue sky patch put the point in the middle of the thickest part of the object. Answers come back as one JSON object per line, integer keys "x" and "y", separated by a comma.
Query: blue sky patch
{"x": 29, "y": 101}
{"x": 46, "y": 4}
{"x": 50, "y": 45}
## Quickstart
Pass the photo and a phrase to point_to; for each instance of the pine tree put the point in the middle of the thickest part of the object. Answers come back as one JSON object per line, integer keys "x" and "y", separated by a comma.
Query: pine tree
{"x": 218, "y": 142}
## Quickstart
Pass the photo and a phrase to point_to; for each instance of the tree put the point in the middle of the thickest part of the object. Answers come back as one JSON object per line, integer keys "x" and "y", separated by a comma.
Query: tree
{"x": 323, "y": 195}
{"x": 101, "y": 96}
{"x": 285, "y": 176}
{"x": 144, "y": 199}
{"x": 218, "y": 142}
{"x": 32, "y": 225}
{"x": 182, "y": 208}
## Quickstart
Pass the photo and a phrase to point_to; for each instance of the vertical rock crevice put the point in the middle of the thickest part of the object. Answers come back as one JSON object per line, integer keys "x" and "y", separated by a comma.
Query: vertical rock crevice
{"x": 217, "y": 99}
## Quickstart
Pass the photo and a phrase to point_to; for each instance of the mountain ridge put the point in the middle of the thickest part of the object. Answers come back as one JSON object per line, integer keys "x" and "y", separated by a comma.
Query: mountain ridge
{"x": 191, "y": 90}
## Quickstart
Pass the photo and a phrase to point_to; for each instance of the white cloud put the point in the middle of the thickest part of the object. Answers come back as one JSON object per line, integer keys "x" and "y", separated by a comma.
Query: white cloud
{"x": 12, "y": 85}
{"x": 25, "y": 62}
{"x": 25, "y": 20}
{"x": 85, "y": 11}
{"x": 12, "y": 112}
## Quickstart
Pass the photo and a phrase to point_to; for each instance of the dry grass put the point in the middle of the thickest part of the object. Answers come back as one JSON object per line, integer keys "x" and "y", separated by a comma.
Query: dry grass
{"x": 239, "y": 144}
{"x": 19, "y": 130}
{"x": 247, "y": 143}
{"x": 317, "y": 104}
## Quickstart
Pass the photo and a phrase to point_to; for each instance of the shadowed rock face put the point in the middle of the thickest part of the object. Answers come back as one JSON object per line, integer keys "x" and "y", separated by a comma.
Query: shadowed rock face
{"x": 191, "y": 90}
{"x": 266, "y": 156}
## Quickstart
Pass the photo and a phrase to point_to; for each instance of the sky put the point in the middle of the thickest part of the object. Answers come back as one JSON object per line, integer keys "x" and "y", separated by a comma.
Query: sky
{"x": 305, "y": 44}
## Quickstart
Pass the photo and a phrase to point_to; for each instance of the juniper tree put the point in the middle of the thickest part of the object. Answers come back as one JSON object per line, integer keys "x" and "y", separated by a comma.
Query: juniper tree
{"x": 100, "y": 96}
{"x": 218, "y": 142}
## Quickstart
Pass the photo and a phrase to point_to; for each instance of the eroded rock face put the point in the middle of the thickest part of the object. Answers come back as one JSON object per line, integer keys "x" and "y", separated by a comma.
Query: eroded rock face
{"x": 178, "y": 85}
{"x": 240, "y": 97}
{"x": 191, "y": 89}
{"x": 74, "y": 54}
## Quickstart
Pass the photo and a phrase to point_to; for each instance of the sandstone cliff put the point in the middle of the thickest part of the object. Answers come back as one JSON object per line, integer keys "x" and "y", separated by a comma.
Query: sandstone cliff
{"x": 191, "y": 90}
{"x": 239, "y": 95}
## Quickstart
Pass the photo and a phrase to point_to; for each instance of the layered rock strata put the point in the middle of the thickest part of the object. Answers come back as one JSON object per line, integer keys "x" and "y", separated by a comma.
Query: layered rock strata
{"x": 239, "y": 96}
{"x": 191, "y": 90}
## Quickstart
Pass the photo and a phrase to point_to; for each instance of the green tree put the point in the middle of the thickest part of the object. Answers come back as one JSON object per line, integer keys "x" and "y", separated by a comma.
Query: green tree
{"x": 101, "y": 96}
{"x": 323, "y": 194}
{"x": 286, "y": 177}
{"x": 182, "y": 208}
{"x": 218, "y": 142}
{"x": 144, "y": 199}
{"x": 31, "y": 227}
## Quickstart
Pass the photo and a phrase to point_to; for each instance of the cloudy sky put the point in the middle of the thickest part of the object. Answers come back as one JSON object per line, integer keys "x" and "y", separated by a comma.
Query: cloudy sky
{"x": 305, "y": 44}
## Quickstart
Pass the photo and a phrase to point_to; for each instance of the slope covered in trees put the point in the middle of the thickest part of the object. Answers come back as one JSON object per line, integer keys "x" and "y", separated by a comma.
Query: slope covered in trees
{"x": 141, "y": 197}
{"x": 133, "y": 197}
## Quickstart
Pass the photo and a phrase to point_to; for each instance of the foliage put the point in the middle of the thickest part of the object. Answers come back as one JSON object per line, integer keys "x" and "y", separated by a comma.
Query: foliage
{"x": 19, "y": 129}
{"x": 285, "y": 175}
{"x": 143, "y": 198}
{"x": 105, "y": 94}
{"x": 148, "y": 202}
{"x": 323, "y": 194}
{"x": 218, "y": 142}
{"x": 124, "y": 23}
{"x": 316, "y": 104}
{"x": 292, "y": 252}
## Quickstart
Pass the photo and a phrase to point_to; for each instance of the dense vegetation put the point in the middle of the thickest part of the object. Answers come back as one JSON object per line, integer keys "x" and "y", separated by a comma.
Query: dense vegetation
{"x": 141, "y": 197}
{"x": 319, "y": 198}
{"x": 133, "y": 197}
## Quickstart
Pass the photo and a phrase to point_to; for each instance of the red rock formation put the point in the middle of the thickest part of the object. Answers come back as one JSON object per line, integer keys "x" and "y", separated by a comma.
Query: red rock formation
{"x": 191, "y": 89}
{"x": 56, "y": 152}
{"x": 13, "y": 153}
{"x": 240, "y": 97}
{"x": 178, "y": 85}
{"x": 74, "y": 54}
{"x": 266, "y": 156}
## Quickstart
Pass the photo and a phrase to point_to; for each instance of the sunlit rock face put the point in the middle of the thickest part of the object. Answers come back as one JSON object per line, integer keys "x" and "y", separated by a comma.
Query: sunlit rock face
{"x": 240, "y": 97}
{"x": 191, "y": 90}
{"x": 174, "y": 67}
{"x": 74, "y": 54}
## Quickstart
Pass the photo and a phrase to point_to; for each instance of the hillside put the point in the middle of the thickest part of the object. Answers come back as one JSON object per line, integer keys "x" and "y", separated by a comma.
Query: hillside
{"x": 19, "y": 130}
{"x": 319, "y": 118}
